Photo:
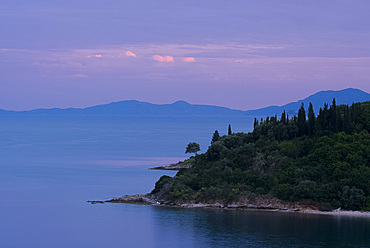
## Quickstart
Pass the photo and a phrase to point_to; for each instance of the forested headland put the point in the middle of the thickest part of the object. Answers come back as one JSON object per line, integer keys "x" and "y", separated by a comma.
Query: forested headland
{"x": 322, "y": 158}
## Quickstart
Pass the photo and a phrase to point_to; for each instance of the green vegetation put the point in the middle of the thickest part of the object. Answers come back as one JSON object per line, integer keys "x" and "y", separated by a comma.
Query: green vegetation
{"x": 229, "y": 132}
{"x": 324, "y": 158}
{"x": 215, "y": 137}
{"x": 192, "y": 148}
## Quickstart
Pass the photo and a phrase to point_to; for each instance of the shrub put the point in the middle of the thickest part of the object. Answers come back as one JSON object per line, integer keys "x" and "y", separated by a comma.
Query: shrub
{"x": 284, "y": 191}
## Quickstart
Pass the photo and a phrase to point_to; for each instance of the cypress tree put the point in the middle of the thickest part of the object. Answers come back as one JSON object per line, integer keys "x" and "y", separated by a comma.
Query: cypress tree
{"x": 301, "y": 121}
{"x": 255, "y": 124}
{"x": 325, "y": 117}
{"x": 215, "y": 137}
{"x": 333, "y": 117}
{"x": 319, "y": 122}
{"x": 283, "y": 117}
{"x": 229, "y": 132}
{"x": 311, "y": 120}
{"x": 347, "y": 120}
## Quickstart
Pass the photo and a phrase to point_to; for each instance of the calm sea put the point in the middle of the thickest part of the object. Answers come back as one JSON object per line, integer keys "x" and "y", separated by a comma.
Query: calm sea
{"x": 50, "y": 167}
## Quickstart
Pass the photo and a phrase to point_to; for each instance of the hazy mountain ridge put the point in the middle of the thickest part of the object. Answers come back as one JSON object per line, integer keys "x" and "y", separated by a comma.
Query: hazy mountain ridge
{"x": 346, "y": 96}
{"x": 182, "y": 108}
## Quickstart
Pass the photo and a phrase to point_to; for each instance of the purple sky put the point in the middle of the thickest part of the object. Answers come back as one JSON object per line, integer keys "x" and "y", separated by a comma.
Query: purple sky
{"x": 239, "y": 54}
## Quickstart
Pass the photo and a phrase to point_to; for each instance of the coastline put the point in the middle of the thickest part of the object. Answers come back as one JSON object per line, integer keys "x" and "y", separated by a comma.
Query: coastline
{"x": 262, "y": 203}
{"x": 175, "y": 166}
{"x": 339, "y": 213}
{"x": 148, "y": 199}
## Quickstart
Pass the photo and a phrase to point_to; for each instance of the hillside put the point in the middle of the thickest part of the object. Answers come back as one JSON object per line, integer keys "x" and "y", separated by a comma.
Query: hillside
{"x": 322, "y": 161}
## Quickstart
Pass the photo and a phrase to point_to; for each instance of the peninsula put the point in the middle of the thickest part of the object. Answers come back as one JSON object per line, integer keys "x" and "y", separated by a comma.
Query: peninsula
{"x": 319, "y": 163}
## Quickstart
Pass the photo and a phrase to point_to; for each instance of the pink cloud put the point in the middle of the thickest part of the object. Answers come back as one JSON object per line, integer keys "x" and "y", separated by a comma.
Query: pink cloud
{"x": 130, "y": 54}
{"x": 239, "y": 61}
{"x": 188, "y": 59}
{"x": 98, "y": 55}
{"x": 163, "y": 59}
{"x": 79, "y": 76}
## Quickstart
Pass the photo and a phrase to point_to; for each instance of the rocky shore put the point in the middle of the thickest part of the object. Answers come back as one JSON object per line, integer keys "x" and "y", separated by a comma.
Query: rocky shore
{"x": 260, "y": 203}
{"x": 175, "y": 166}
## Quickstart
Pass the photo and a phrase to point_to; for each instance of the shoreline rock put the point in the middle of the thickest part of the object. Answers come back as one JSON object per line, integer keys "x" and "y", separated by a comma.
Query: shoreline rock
{"x": 147, "y": 199}
{"x": 175, "y": 166}
{"x": 263, "y": 205}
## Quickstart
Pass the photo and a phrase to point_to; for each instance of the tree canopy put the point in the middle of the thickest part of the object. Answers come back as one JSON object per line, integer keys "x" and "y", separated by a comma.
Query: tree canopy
{"x": 192, "y": 148}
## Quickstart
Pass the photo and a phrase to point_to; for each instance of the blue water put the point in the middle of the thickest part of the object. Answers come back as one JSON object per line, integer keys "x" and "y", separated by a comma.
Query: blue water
{"x": 50, "y": 167}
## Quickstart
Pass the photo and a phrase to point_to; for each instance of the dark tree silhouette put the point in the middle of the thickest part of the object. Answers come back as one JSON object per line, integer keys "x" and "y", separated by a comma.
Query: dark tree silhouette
{"x": 301, "y": 121}
{"x": 311, "y": 120}
{"x": 215, "y": 137}
{"x": 192, "y": 148}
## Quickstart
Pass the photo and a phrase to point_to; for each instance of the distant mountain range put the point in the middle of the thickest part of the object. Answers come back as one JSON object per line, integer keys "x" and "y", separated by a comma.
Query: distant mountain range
{"x": 182, "y": 108}
{"x": 346, "y": 96}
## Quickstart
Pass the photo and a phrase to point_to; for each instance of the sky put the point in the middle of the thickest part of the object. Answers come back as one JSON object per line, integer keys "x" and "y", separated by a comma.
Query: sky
{"x": 240, "y": 54}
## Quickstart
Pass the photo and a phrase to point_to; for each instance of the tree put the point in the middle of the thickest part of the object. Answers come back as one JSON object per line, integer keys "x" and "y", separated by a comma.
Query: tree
{"x": 352, "y": 198}
{"x": 347, "y": 120}
{"x": 333, "y": 116}
{"x": 192, "y": 148}
{"x": 215, "y": 137}
{"x": 255, "y": 124}
{"x": 229, "y": 132}
{"x": 301, "y": 121}
{"x": 311, "y": 120}
{"x": 283, "y": 117}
